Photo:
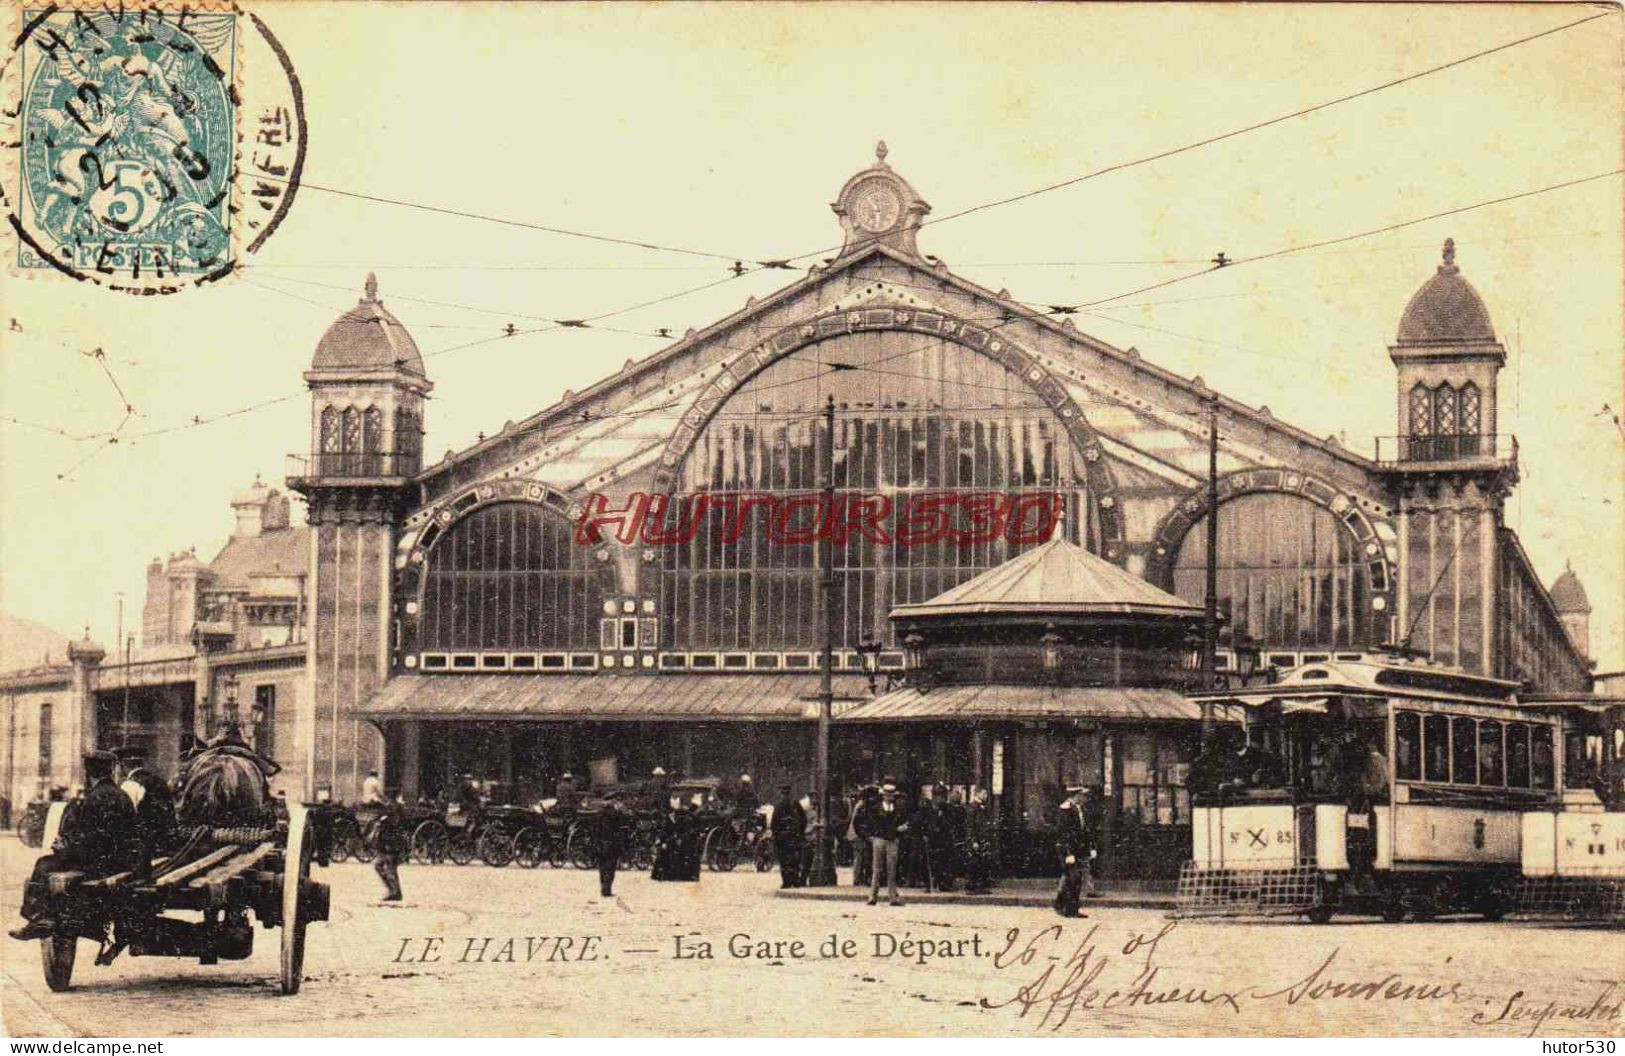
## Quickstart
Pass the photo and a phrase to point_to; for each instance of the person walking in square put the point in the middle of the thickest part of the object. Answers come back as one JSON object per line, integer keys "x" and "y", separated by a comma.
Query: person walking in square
{"x": 610, "y": 828}
{"x": 392, "y": 846}
{"x": 789, "y": 829}
{"x": 1075, "y": 844}
{"x": 888, "y": 825}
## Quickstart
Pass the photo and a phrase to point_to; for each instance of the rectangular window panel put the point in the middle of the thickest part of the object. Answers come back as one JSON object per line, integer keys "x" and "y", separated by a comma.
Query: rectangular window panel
{"x": 1490, "y": 754}
{"x": 1436, "y": 748}
{"x": 1464, "y": 753}
{"x": 1407, "y": 746}
{"x": 1518, "y": 754}
{"x": 1541, "y": 761}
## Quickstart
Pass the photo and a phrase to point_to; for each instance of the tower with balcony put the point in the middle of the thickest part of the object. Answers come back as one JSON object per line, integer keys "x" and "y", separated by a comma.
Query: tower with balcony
{"x": 1448, "y": 470}
{"x": 368, "y": 387}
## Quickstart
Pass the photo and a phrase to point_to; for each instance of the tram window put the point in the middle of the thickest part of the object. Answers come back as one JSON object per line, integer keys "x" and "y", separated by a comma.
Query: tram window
{"x": 1490, "y": 754}
{"x": 1540, "y": 757}
{"x": 1407, "y": 746}
{"x": 1576, "y": 772}
{"x": 1464, "y": 751}
{"x": 1436, "y": 747}
{"x": 1517, "y": 755}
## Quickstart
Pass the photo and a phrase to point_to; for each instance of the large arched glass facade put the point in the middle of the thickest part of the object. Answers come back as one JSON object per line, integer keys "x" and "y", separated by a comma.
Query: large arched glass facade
{"x": 1291, "y": 572}
{"x": 510, "y": 576}
{"x": 915, "y": 418}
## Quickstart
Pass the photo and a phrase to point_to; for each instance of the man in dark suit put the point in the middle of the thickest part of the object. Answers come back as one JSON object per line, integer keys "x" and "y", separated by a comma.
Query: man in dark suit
{"x": 1075, "y": 844}
{"x": 154, "y": 802}
{"x": 99, "y": 836}
{"x": 789, "y": 836}
{"x": 888, "y": 825}
{"x": 608, "y": 829}
{"x": 393, "y": 845}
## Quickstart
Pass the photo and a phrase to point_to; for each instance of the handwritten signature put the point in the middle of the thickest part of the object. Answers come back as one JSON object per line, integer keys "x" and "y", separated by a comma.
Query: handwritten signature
{"x": 1062, "y": 978}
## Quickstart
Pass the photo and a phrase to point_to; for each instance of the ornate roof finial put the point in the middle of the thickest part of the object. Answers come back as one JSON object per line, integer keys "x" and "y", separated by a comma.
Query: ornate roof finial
{"x": 1449, "y": 265}
{"x": 881, "y": 152}
{"x": 371, "y": 287}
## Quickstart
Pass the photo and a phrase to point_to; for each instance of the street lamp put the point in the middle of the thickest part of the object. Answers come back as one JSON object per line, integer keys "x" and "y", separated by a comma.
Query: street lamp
{"x": 1052, "y": 651}
{"x": 869, "y": 650}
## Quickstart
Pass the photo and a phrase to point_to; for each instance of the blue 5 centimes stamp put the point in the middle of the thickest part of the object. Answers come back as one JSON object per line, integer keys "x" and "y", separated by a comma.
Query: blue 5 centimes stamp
{"x": 148, "y": 159}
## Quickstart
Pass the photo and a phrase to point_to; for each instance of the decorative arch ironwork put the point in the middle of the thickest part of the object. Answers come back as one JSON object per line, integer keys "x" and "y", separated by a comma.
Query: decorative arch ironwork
{"x": 1371, "y": 550}
{"x": 933, "y": 323}
{"x": 416, "y": 553}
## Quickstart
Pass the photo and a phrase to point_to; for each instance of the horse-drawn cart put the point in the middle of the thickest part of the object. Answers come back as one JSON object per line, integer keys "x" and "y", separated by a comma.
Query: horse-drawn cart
{"x": 260, "y": 868}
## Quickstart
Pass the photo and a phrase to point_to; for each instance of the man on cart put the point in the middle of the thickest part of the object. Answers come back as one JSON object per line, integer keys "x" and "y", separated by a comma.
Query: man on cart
{"x": 99, "y": 836}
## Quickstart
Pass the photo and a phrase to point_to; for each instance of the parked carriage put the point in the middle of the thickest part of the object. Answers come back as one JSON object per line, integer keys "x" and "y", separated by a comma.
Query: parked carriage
{"x": 225, "y": 874}
{"x": 1460, "y": 765}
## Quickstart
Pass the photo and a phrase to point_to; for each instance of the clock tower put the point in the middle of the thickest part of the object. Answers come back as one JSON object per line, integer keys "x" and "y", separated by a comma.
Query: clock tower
{"x": 877, "y": 205}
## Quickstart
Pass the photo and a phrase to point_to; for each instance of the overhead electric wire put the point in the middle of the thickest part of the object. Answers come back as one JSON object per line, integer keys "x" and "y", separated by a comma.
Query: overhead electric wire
{"x": 1256, "y": 126}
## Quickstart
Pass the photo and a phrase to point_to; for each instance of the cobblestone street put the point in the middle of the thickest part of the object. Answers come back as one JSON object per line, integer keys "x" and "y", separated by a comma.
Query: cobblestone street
{"x": 373, "y": 969}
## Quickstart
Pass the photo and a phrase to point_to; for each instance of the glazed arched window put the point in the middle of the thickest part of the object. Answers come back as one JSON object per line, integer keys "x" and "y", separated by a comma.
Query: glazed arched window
{"x": 1421, "y": 410}
{"x": 914, "y": 417}
{"x": 510, "y": 577}
{"x": 372, "y": 441}
{"x": 332, "y": 439}
{"x": 352, "y": 441}
{"x": 1445, "y": 421}
{"x": 407, "y": 440}
{"x": 1290, "y": 570}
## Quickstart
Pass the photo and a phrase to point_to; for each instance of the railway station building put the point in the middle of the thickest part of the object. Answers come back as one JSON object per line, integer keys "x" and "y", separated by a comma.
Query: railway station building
{"x": 632, "y": 577}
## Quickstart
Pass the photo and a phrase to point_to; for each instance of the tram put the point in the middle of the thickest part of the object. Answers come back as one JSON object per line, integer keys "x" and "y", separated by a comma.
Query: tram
{"x": 1573, "y": 860}
{"x": 1368, "y": 784}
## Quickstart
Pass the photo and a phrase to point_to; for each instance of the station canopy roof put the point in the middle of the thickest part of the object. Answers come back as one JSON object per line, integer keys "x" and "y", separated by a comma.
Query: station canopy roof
{"x": 1057, "y": 578}
{"x": 644, "y": 697}
{"x": 1017, "y": 702}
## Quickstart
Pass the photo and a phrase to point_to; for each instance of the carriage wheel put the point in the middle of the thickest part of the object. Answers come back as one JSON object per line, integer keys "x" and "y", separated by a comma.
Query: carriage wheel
{"x": 345, "y": 838}
{"x": 495, "y": 847}
{"x": 725, "y": 855}
{"x": 57, "y": 952}
{"x": 461, "y": 850}
{"x": 529, "y": 847}
{"x": 578, "y": 852}
{"x": 366, "y": 843}
{"x": 764, "y": 855}
{"x": 430, "y": 843}
{"x": 557, "y": 851}
{"x": 295, "y": 871}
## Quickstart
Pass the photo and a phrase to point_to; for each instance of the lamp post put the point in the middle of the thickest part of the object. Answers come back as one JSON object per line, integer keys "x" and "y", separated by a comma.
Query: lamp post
{"x": 869, "y": 650}
{"x": 822, "y": 871}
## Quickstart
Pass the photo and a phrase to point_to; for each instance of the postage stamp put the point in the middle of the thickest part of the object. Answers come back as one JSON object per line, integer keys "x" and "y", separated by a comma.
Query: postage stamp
{"x": 146, "y": 158}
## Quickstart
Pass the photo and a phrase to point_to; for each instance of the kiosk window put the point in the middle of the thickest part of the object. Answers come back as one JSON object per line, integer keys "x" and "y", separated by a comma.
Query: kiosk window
{"x": 1490, "y": 754}
{"x": 1464, "y": 754}
{"x": 1436, "y": 747}
{"x": 1540, "y": 756}
{"x": 1407, "y": 746}
{"x": 1517, "y": 755}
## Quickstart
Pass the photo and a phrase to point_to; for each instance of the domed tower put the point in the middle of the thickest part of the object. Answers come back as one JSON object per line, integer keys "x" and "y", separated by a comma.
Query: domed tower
{"x": 877, "y": 205}
{"x": 1573, "y": 608}
{"x": 1447, "y": 360}
{"x": 367, "y": 386}
{"x": 1448, "y": 472}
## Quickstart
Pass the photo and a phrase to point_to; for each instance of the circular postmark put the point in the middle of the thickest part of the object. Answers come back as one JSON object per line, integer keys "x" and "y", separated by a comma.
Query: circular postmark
{"x": 152, "y": 148}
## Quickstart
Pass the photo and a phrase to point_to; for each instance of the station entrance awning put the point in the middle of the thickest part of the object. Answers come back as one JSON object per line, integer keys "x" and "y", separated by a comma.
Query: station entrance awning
{"x": 642, "y": 697}
{"x": 1015, "y": 702}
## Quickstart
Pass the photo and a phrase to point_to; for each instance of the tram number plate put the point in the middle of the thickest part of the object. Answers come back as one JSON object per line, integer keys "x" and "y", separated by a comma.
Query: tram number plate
{"x": 1260, "y": 837}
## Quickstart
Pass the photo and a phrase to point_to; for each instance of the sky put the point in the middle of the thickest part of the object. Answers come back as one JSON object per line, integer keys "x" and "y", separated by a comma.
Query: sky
{"x": 730, "y": 129}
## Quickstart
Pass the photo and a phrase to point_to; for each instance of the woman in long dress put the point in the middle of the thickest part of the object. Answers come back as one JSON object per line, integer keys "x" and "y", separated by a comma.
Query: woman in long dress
{"x": 678, "y": 856}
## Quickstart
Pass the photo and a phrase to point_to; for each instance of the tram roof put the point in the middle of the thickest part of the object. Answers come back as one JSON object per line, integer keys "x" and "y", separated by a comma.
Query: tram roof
{"x": 1376, "y": 677}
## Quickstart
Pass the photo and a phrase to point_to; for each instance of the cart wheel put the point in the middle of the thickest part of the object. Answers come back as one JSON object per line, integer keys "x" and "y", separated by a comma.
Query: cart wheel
{"x": 461, "y": 850}
{"x": 345, "y": 838}
{"x": 724, "y": 856}
{"x": 580, "y": 854}
{"x": 528, "y": 849}
{"x": 57, "y": 951}
{"x": 556, "y": 857}
{"x": 429, "y": 843}
{"x": 366, "y": 844}
{"x": 295, "y": 869}
{"x": 496, "y": 847}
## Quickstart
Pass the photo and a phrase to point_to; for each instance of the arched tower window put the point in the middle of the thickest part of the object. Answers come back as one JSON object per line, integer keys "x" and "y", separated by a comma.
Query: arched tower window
{"x": 1471, "y": 418}
{"x": 408, "y": 441}
{"x": 1291, "y": 572}
{"x": 1444, "y": 410}
{"x": 332, "y": 439}
{"x": 930, "y": 418}
{"x": 1421, "y": 410}
{"x": 510, "y": 576}
{"x": 372, "y": 441}
{"x": 352, "y": 441}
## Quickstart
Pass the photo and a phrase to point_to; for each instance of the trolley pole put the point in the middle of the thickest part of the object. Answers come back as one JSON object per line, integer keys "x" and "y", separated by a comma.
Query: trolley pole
{"x": 1210, "y": 601}
{"x": 124, "y": 718}
{"x": 822, "y": 871}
